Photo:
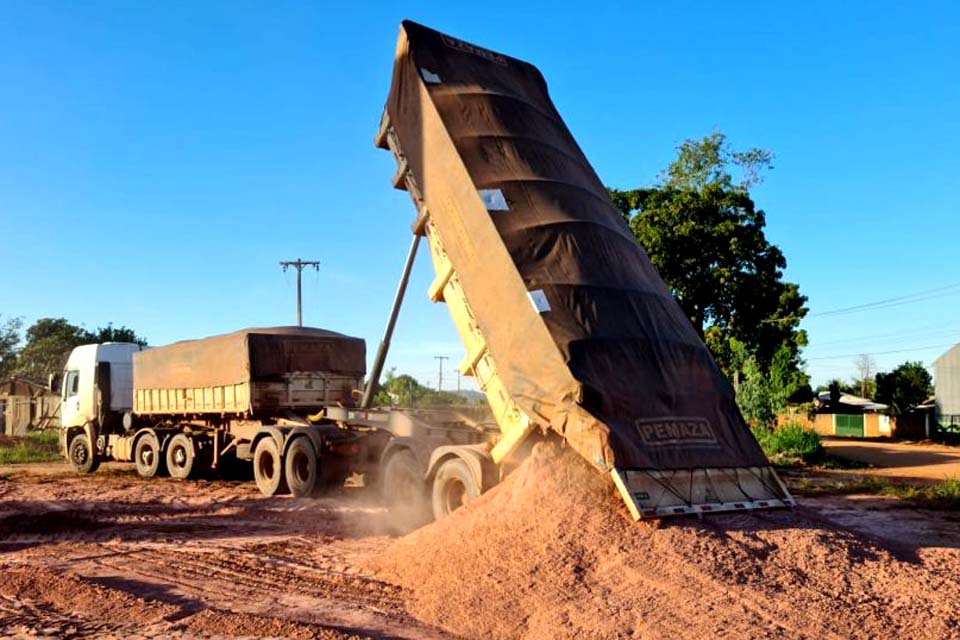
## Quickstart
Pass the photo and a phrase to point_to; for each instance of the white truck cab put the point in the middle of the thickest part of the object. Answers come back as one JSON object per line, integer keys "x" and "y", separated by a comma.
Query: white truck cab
{"x": 86, "y": 395}
{"x": 96, "y": 390}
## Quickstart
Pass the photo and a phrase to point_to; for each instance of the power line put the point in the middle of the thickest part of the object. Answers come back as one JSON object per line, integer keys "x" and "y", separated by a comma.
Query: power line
{"x": 928, "y": 331}
{"x": 919, "y": 296}
{"x": 882, "y": 353}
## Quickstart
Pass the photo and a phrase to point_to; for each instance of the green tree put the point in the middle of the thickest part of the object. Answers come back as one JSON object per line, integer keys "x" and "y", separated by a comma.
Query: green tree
{"x": 49, "y": 342}
{"x": 762, "y": 395}
{"x": 9, "y": 341}
{"x": 705, "y": 236}
{"x": 406, "y": 391}
{"x": 904, "y": 388}
{"x": 756, "y": 397}
{"x": 837, "y": 386}
{"x": 709, "y": 161}
{"x": 119, "y": 334}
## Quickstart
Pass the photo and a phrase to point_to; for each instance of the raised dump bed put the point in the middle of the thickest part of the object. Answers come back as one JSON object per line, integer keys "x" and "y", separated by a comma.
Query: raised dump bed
{"x": 567, "y": 325}
{"x": 249, "y": 372}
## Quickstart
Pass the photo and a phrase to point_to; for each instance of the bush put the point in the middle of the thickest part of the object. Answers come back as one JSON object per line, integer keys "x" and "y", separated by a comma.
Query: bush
{"x": 790, "y": 442}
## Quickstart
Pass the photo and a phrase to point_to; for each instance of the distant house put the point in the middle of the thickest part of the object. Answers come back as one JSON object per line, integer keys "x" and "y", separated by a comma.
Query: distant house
{"x": 27, "y": 404}
{"x": 851, "y": 416}
{"x": 946, "y": 383}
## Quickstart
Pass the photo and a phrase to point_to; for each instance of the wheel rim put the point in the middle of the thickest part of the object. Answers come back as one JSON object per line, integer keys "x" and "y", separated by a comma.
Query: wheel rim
{"x": 180, "y": 456}
{"x": 301, "y": 467}
{"x": 147, "y": 456}
{"x": 79, "y": 454}
{"x": 265, "y": 466}
{"x": 454, "y": 495}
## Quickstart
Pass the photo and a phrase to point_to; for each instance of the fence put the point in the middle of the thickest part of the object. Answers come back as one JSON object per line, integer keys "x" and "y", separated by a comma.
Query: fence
{"x": 20, "y": 414}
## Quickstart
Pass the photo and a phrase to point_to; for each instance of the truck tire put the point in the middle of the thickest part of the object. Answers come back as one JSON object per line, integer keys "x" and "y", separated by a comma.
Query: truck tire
{"x": 453, "y": 487}
{"x": 268, "y": 468}
{"x": 302, "y": 468}
{"x": 181, "y": 455}
{"x": 148, "y": 456}
{"x": 404, "y": 492}
{"x": 81, "y": 455}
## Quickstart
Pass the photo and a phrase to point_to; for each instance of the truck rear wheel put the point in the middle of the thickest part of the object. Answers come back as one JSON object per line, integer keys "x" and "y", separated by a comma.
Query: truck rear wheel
{"x": 181, "y": 455}
{"x": 404, "y": 492}
{"x": 148, "y": 456}
{"x": 268, "y": 468}
{"x": 82, "y": 457}
{"x": 302, "y": 468}
{"x": 453, "y": 487}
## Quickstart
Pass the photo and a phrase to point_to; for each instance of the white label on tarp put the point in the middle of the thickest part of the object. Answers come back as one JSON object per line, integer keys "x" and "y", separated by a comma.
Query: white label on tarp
{"x": 539, "y": 300}
{"x": 429, "y": 76}
{"x": 493, "y": 200}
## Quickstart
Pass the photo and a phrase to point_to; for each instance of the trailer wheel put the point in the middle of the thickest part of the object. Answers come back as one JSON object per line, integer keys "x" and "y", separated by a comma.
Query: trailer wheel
{"x": 453, "y": 487}
{"x": 268, "y": 468}
{"x": 181, "y": 455}
{"x": 404, "y": 492}
{"x": 82, "y": 457}
{"x": 302, "y": 469}
{"x": 148, "y": 456}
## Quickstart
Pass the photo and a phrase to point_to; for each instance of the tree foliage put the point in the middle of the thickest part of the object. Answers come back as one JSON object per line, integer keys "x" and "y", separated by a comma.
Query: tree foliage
{"x": 708, "y": 161}
{"x": 406, "y": 391}
{"x": 9, "y": 340}
{"x": 110, "y": 333}
{"x": 49, "y": 342}
{"x": 904, "y": 388}
{"x": 705, "y": 236}
{"x": 762, "y": 395}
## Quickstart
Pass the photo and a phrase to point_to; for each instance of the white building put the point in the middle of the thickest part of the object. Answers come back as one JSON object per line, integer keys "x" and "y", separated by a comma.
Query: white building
{"x": 946, "y": 382}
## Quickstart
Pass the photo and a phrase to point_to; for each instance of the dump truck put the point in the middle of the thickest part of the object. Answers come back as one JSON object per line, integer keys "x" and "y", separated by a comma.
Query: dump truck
{"x": 567, "y": 327}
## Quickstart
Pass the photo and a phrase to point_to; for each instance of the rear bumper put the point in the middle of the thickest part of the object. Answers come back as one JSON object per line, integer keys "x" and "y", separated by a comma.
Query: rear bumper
{"x": 651, "y": 493}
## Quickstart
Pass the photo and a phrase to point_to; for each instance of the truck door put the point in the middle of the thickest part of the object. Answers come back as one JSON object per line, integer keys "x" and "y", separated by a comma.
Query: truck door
{"x": 70, "y": 399}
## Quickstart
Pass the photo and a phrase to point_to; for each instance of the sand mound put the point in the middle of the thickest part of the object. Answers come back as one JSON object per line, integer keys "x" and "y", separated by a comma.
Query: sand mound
{"x": 552, "y": 553}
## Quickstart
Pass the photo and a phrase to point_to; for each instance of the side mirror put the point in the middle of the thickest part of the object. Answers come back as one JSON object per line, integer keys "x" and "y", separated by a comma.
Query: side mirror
{"x": 54, "y": 382}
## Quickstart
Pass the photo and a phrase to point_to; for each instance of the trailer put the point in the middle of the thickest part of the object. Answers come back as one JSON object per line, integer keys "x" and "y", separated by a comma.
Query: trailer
{"x": 568, "y": 328}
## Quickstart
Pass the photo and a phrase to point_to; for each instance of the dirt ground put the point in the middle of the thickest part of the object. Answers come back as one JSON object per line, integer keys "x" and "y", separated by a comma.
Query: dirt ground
{"x": 910, "y": 461}
{"x": 112, "y": 555}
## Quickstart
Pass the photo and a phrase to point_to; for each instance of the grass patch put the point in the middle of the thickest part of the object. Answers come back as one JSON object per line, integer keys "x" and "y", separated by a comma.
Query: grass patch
{"x": 829, "y": 461}
{"x": 944, "y": 495}
{"x": 36, "y": 446}
{"x": 790, "y": 445}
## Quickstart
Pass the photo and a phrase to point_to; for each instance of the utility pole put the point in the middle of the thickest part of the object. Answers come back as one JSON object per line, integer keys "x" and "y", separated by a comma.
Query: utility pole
{"x": 299, "y": 264}
{"x": 440, "y": 378}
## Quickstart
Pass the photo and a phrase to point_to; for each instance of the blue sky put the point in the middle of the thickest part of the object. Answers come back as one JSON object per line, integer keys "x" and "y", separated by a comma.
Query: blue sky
{"x": 157, "y": 160}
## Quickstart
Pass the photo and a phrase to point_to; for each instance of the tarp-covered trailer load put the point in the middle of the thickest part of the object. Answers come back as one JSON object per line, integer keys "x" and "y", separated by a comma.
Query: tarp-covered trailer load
{"x": 249, "y": 371}
{"x": 567, "y": 324}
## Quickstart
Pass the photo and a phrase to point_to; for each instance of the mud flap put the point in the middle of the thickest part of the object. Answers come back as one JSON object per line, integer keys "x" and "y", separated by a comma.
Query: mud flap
{"x": 656, "y": 493}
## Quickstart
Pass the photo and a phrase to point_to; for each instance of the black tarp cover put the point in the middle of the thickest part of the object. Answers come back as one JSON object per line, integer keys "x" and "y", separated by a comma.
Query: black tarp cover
{"x": 634, "y": 374}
